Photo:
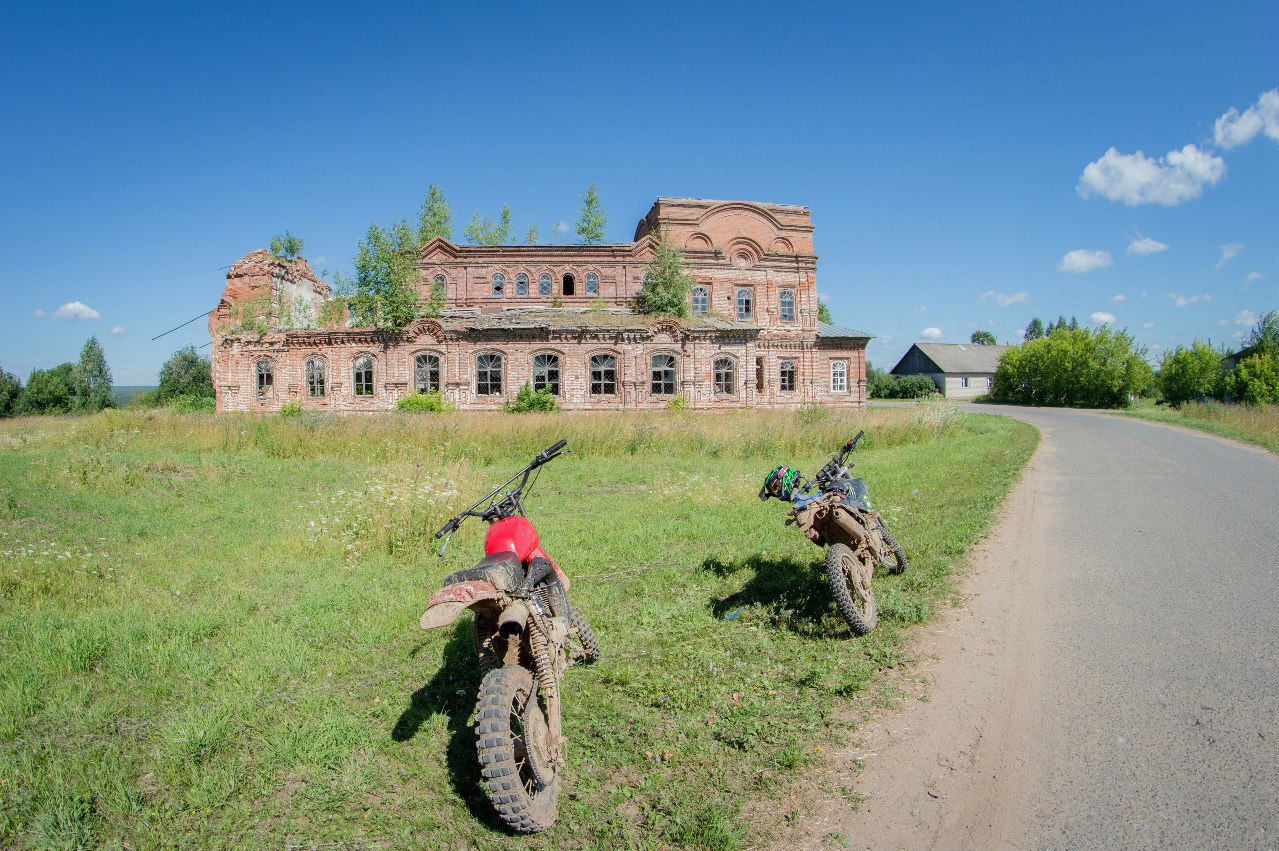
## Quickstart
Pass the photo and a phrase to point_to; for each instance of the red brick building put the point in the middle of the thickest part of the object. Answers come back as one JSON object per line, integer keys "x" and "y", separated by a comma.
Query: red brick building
{"x": 556, "y": 316}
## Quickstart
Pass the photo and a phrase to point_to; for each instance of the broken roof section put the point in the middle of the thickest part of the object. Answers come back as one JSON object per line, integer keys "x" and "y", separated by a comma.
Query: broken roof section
{"x": 530, "y": 318}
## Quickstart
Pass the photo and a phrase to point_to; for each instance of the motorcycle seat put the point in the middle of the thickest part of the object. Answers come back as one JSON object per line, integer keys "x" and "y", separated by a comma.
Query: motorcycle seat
{"x": 502, "y": 570}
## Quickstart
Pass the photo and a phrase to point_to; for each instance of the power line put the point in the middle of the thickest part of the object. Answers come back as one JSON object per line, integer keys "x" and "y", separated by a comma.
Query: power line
{"x": 183, "y": 325}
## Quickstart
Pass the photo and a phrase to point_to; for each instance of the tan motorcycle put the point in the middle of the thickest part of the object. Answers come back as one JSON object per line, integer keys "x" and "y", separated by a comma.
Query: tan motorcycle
{"x": 834, "y": 510}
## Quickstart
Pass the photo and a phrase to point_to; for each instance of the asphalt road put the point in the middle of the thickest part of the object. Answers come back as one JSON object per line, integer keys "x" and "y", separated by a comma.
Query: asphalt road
{"x": 1114, "y": 680}
{"x": 1156, "y": 696}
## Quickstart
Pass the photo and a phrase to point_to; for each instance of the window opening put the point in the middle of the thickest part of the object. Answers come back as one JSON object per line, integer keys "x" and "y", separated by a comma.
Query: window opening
{"x": 787, "y": 305}
{"x": 363, "y": 375}
{"x": 521, "y": 285}
{"x": 265, "y": 379}
{"x": 839, "y": 376}
{"x": 426, "y": 373}
{"x": 488, "y": 375}
{"x": 603, "y": 375}
{"x": 544, "y": 284}
{"x": 546, "y": 373}
{"x": 592, "y": 283}
{"x": 759, "y": 375}
{"x": 745, "y": 304}
{"x": 663, "y": 375}
{"x": 315, "y": 378}
{"x": 568, "y": 285}
{"x": 724, "y": 382}
{"x": 701, "y": 300}
{"x": 786, "y": 376}
{"x": 499, "y": 285}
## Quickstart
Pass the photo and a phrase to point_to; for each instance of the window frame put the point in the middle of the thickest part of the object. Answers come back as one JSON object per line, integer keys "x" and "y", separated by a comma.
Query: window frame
{"x": 545, "y": 285}
{"x": 521, "y": 285}
{"x": 313, "y": 364}
{"x": 705, "y": 300}
{"x": 592, "y": 367}
{"x": 842, "y": 375}
{"x": 592, "y": 285}
{"x": 489, "y": 369}
{"x": 497, "y": 285}
{"x": 782, "y": 300}
{"x": 784, "y": 366}
{"x": 749, "y": 313}
{"x": 963, "y": 382}
{"x": 264, "y": 368}
{"x": 439, "y": 372}
{"x": 725, "y": 376}
{"x": 551, "y": 384}
{"x": 672, "y": 368}
{"x": 356, "y": 383}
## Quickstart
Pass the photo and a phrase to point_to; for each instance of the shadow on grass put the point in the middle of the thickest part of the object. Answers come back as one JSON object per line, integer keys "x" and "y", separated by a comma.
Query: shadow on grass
{"x": 794, "y": 592}
{"x": 452, "y": 693}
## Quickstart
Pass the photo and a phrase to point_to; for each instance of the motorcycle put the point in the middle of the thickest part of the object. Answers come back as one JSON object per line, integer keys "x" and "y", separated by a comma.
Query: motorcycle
{"x": 526, "y": 635}
{"x": 834, "y": 510}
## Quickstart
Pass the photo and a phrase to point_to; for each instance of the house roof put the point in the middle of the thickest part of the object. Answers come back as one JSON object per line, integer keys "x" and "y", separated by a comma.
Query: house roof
{"x": 826, "y": 329}
{"x": 532, "y": 318}
{"x": 960, "y": 357}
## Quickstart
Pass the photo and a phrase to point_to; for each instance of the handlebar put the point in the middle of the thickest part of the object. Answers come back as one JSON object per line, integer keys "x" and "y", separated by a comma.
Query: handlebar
{"x": 852, "y": 444}
{"x": 543, "y": 457}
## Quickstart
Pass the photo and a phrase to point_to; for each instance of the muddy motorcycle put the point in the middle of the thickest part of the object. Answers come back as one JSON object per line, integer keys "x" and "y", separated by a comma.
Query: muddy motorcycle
{"x": 526, "y": 635}
{"x": 834, "y": 510}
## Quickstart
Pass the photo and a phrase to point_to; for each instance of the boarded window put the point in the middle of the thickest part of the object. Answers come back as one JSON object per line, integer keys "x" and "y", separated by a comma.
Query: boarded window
{"x": 603, "y": 375}
{"x": 546, "y": 373}
{"x": 724, "y": 378}
{"x": 786, "y": 376}
{"x": 663, "y": 375}
{"x": 786, "y": 305}
{"x": 315, "y": 378}
{"x": 701, "y": 300}
{"x": 426, "y": 373}
{"x": 265, "y": 379}
{"x": 362, "y": 376}
{"x": 488, "y": 375}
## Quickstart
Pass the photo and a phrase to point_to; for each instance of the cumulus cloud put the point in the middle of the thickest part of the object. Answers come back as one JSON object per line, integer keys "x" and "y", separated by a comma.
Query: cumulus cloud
{"x": 1101, "y": 317}
{"x": 1184, "y": 300}
{"x": 118, "y": 331}
{"x": 1252, "y": 278}
{"x": 1004, "y": 299}
{"x": 1147, "y": 325}
{"x": 71, "y": 310}
{"x": 1245, "y": 318}
{"x": 1118, "y": 298}
{"x": 1145, "y": 246}
{"x": 1229, "y": 252}
{"x": 1135, "y": 179}
{"x": 1084, "y": 260}
{"x": 931, "y": 334}
{"x": 1236, "y": 128}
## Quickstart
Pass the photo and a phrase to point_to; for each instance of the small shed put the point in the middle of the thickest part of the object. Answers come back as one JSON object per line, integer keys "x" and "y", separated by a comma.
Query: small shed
{"x": 960, "y": 370}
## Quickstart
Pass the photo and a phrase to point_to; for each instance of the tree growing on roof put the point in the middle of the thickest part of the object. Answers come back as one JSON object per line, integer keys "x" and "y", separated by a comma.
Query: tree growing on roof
{"x": 823, "y": 314}
{"x": 286, "y": 246}
{"x": 591, "y": 220}
{"x": 666, "y": 284}
{"x": 382, "y": 293}
{"x": 435, "y": 218}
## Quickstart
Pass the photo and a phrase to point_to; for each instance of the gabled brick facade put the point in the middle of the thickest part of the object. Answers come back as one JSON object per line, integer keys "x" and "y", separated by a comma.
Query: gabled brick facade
{"x": 561, "y": 315}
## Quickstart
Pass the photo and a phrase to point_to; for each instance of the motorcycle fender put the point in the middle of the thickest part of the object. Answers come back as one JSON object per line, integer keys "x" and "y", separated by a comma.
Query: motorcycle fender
{"x": 451, "y": 600}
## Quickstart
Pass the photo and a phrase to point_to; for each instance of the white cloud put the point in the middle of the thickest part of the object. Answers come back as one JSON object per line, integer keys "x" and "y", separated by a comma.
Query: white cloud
{"x": 118, "y": 331}
{"x": 823, "y": 298}
{"x": 40, "y": 314}
{"x": 1137, "y": 179}
{"x": 1101, "y": 317}
{"x": 1236, "y": 128}
{"x": 71, "y": 310}
{"x": 1222, "y": 323}
{"x": 1145, "y": 246}
{"x": 560, "y": 227}
{"x": 1245, "y": 318}
{"x": 1004, "y": 299}
{"x": 931, "y": 334}
{"x": 1147, "y": 325}
{"x": 1252, "y": 278}
{"x": 1229, "y": 252}
{"x": 320, "y": 259}
{"x": 1118, "y": 298}
{"x": 1145, "y": 295}
{"x": 921, "y": 308}
{"x": 1084, "y": 260}
{"x": 1183, "y": 301}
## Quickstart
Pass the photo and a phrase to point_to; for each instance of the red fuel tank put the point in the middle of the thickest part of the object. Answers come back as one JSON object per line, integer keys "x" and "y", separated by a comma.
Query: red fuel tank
{"x": 512, "y": 534}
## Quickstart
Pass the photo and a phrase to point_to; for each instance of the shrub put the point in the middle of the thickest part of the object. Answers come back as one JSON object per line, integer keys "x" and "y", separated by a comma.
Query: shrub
{"x": 1187, "y": 374}
{"x": 184, "y": 374}
{"x": 882, "y": 385}
{"x": 423, "y": 403}
{"x": 528, "y": 400}
{"x": 291, "y": 409}
{"x": 678, "y": 403}
{"x": 1099, "y": 368}
{"x": 193, "y": 403}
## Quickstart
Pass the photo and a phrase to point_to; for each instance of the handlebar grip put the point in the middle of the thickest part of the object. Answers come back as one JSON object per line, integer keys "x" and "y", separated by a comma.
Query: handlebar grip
{"x": 556, "y": 448}
{"x": 446, "y": 528}
{"x": 852, "y": 444}
{"x": 547, "y": 454}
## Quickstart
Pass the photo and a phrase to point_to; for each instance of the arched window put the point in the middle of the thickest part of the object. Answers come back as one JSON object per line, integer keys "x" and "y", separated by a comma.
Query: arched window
{"x": 544, "y": 284}
{"x": 663, "y": 375}
{"x": 362, "y": 376}
{"x": 521, "y": 285}
{"x": 786, "y": 305}
{"x": 439, "y": 287}
{"x": 426, "y": 373}
{"x": 724, "y": 382}
{"x": 315, "y": 378}
{"x": 603, "y": 375}
{"x": 592, "y": 283}
{"x": 265, "y": 371}
{"x": 546, "y": 373}
{"x": 701, "y": 300}
{"x": 488, "y": 375}
{"x": 569, "y": 285}
{"x": 745, "y": 304}
{"x": 499, "y": 285}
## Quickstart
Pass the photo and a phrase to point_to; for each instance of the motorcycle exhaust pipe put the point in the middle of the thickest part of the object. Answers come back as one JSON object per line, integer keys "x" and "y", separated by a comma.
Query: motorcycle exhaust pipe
{"x": 513, "y": 619}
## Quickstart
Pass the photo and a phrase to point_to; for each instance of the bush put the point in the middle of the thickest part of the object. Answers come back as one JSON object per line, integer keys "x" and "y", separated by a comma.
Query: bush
{"x": 291, "y": 409}
{"x": 677, "y": 403}
{"x": 882, "y": 385}
{"x": 184, "y": 374}
{"x": 193, "y": 403}
{"x": 1099, "y": 368}
{"x": 1255, "y": 380}
{"x": 1189, "y": 374}
{"x": 422, "y": 403}
{"x": 528, "y": 400}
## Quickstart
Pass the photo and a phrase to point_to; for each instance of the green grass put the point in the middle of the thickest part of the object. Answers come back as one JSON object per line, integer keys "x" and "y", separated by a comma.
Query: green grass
{"x": 1247, "y": 423}
{"x": 208, "y": 626}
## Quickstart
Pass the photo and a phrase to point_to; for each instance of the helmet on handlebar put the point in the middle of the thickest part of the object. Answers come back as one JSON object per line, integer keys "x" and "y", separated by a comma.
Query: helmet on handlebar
{"x": 781, "y": 482}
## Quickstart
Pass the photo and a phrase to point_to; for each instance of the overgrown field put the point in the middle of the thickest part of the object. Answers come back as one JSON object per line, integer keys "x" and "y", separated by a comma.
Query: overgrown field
{"x": 208, "y": 626}
{"x": 1249, "y": 423}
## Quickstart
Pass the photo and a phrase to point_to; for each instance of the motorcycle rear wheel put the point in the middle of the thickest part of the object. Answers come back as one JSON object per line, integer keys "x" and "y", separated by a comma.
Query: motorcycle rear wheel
{"x": 896, "y": 555}
{"x": 850, "y": 581}
{"x": 511, "y": 732}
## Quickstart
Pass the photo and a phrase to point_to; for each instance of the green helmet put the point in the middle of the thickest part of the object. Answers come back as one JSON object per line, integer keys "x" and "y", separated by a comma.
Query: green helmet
{"x": 781, "y": 482}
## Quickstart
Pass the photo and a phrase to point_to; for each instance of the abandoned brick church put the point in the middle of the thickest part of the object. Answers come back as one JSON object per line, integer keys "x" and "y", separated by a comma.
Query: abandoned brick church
{"x": 560, "y": 317}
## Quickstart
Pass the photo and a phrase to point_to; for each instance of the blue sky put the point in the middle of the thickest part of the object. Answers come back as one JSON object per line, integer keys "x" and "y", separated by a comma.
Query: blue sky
{"x": 955, "y": 157}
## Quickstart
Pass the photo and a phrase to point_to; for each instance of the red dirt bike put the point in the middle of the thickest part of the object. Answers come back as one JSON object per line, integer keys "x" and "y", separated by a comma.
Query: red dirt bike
{"x": 526, "y": 635}
{"x": 834, "y": 510}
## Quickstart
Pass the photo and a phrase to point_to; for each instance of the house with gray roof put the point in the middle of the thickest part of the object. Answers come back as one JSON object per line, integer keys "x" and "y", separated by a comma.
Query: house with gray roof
{"x": 960, "y": 370}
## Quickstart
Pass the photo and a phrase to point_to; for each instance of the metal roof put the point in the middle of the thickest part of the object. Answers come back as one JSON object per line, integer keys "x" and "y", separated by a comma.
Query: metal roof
{"x": 530, "y": 318}
{"x": 961, "y": 357}
{"x": 825, "y": 329}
